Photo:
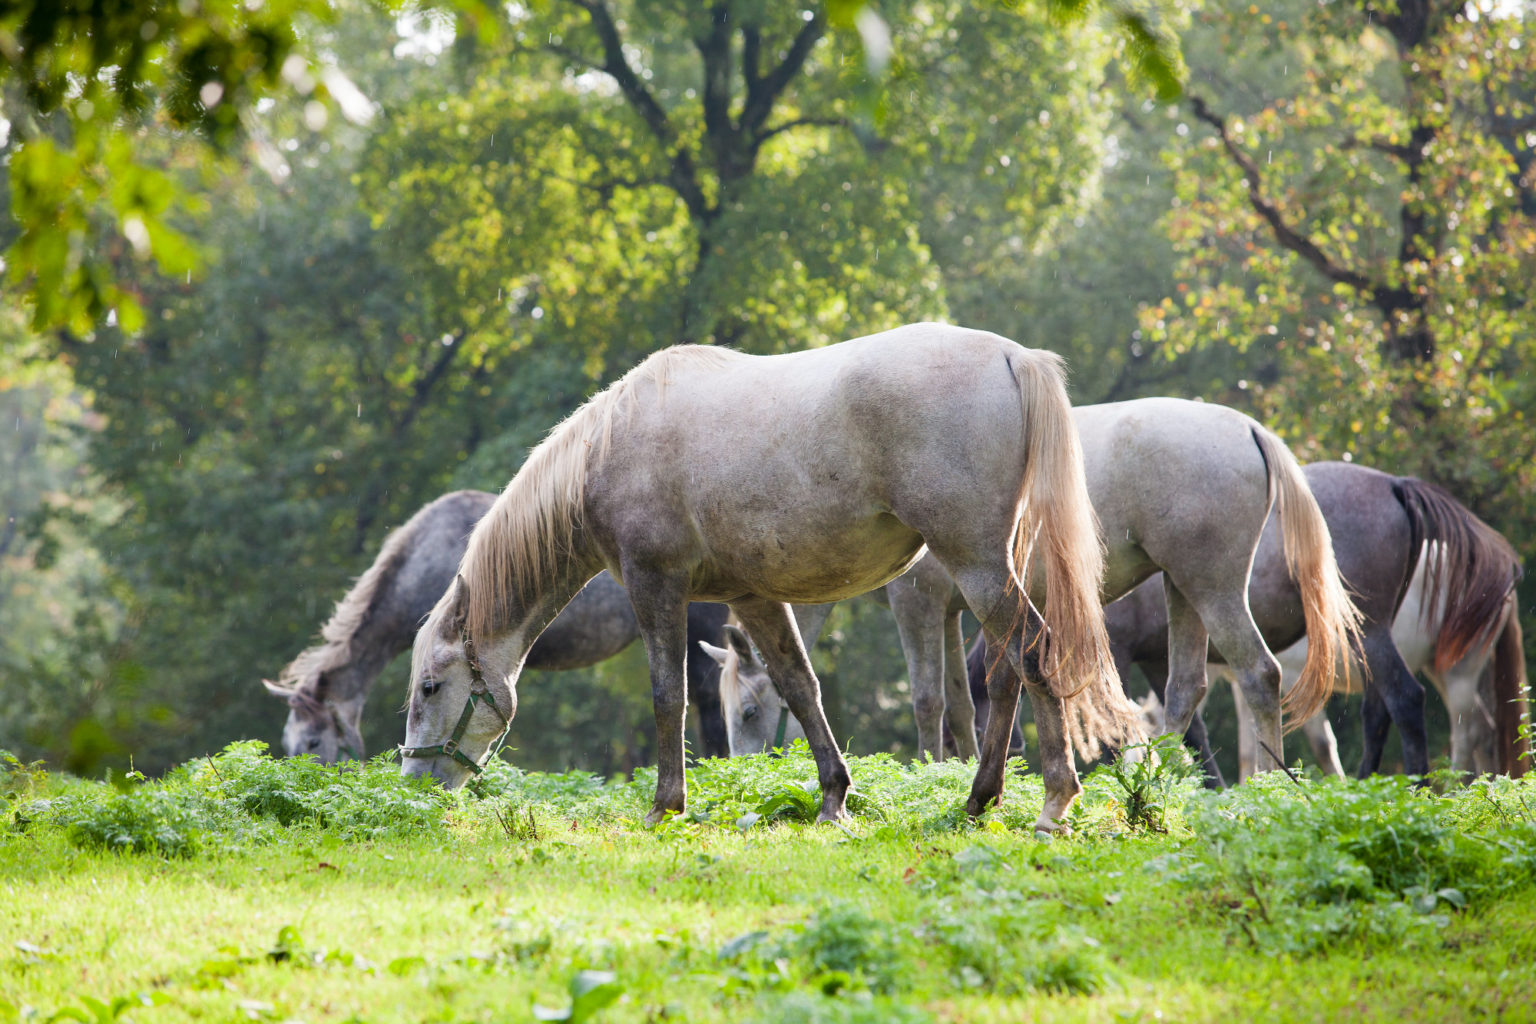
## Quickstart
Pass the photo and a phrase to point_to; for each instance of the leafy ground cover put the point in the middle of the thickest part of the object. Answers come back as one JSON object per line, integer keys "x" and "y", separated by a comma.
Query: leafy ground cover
{"x": 245, "y": 888}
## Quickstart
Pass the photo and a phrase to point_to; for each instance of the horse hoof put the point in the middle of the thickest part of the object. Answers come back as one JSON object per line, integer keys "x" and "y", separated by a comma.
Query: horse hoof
{"x": 834, "y": 814}
{"x": 1051, "y": 828}
{"x": 660, "y": 814}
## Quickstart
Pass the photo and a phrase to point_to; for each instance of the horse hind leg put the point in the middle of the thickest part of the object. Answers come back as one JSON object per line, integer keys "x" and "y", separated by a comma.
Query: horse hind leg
{"x": 1003, "y": 611}
{"x": 1188, "y": 644}
{"x": 958, "y": 706}
{"x": 1393, "y": 697}
{"x": 773, "y": 628}
{"x": 1232, "y": 631}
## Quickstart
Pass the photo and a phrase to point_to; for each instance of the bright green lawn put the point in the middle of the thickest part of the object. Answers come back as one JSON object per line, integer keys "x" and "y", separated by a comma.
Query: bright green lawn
{"x": 472, "y": 912}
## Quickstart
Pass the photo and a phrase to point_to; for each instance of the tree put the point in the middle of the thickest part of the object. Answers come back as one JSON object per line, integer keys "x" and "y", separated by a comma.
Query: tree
{"x": 1366, "y": 238}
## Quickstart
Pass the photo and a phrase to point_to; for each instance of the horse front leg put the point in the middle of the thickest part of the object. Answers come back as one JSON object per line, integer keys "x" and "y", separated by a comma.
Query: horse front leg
{"x": 772, "y": 626}
{"x": 660, "y": 600}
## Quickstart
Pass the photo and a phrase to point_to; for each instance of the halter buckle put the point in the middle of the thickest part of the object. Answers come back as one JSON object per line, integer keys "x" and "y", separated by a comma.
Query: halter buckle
{"x": 450, "y": 748}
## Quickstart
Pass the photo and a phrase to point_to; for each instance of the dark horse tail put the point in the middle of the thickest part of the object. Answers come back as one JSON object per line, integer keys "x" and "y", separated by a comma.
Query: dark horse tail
{"x": 1474, "y": 572}
{"x": 1511, "y": 707}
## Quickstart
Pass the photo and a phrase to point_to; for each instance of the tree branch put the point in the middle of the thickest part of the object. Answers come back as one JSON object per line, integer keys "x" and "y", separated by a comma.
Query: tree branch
{"x": 715, "y": 49}
{"x": 763, "y": 93}
{"x": 683, "y": 177}
{"x": 751, "y": 57}
{"x": 1284, "y": 233}
{"x": 802, "y": 122}
{"x": 1400, "y": 150}
{"x": 571, "y": 55}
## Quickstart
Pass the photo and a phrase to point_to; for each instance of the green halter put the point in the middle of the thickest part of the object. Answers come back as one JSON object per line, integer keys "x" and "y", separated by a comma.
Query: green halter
{"x": 479, "y": 693}
{"x": 778, "y": 737}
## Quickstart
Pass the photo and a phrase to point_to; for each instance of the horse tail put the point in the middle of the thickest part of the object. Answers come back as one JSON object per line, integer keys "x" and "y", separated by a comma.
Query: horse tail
{"x": 1511, "y": 705}
{"x": 1054, "y": 509}
{"x": 1471, "y": 571}
{"x": 1333, "y": 621}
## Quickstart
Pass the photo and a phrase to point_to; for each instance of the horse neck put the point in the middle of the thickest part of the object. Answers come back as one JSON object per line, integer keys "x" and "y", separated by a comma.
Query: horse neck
{"x": 370, "y": 653}
{"x": 506, "y": 647}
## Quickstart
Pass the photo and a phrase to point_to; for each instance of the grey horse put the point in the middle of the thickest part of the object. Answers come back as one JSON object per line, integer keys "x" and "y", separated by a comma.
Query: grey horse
{"x": 1380, "y": 524}
{"x": 799, "y": 478}
{"x": 1181, "y": 487}
{"x": 327, "y": 686}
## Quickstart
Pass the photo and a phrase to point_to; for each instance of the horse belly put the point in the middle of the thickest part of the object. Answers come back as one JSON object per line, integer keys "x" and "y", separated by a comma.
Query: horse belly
{"x": 807, "y": 567}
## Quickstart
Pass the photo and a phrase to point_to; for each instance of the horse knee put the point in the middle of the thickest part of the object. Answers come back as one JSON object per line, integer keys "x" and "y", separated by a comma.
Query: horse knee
{"x": 928, "y": 706}
{"x": 669, "y": 702}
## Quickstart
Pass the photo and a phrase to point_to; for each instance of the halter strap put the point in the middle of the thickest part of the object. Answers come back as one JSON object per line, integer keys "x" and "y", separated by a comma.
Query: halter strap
{"x": 479, "y": 693}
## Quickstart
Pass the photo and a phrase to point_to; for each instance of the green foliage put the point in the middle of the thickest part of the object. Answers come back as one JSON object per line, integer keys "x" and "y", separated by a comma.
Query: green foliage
{"x": 1299, "y": 867}
{"x": 1354, "y": 229}
{"x": 591, "y": 991}
{"x": 148, "y": 820}
{"x": 1152, "y": 779}
{"x": 238, "y": 797}
{"x": 354, "y": 802}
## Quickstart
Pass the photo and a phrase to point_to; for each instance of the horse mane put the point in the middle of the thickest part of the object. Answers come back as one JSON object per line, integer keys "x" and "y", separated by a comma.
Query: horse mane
{"x": 530, "y": 529}
{"x": 1471, "y": 571}
{"x": 302, "y": 675}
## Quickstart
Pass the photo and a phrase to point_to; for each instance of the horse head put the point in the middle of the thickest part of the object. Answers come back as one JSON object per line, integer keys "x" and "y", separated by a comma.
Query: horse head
{"x": 317, "y": 726}
{"x": 756, "y": 717}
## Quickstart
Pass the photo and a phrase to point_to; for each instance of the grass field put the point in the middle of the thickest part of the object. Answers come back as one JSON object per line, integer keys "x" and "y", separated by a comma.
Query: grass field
{"x": 242, "y": 888}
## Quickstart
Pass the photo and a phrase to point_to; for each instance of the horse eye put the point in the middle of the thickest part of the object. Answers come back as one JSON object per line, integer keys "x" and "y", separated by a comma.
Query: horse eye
{"x": 748, "y": 711}
{"x": 430, "y": 686}
{"x": 314, "y": 743}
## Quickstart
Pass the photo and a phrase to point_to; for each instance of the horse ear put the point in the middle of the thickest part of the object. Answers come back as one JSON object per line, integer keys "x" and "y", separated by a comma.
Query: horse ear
{"x": 277, "y": 689}
{"x": 717, "y": 653}
{"x": 740, "y": 643}
{"x": 460, "y": 603}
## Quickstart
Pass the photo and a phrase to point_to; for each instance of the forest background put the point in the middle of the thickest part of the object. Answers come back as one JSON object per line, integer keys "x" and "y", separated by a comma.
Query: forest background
{"x": 277, "y": 274}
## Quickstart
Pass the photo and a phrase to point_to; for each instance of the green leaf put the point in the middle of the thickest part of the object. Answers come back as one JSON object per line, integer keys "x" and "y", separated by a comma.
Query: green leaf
{"x": 591, "y": 991}
{"x": 401, "y": 966}
{"x": 741, "y": 944}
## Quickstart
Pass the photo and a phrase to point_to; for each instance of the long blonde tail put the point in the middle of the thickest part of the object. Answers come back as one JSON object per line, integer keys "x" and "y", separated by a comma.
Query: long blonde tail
{"x": 1055, "y": 511}
{"x": 1333, "y": 621}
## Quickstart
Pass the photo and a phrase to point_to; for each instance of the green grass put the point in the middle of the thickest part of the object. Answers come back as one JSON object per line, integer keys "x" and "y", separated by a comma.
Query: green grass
{"x": 241, "y": 888}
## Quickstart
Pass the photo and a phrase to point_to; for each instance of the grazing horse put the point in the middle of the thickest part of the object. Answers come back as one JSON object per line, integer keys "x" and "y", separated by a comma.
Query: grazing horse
{"x": 805, "y": 478}
{"x": 327, "y": 685}
{"x": 1185, "y": 488}
{"x": 756, "y": 717}
{"x": 1380, "y": 524}
{"x": 1484, "y": 690}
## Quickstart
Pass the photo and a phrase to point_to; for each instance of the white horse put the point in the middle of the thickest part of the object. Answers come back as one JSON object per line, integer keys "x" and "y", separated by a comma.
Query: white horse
{"x": 1476, "y": 687}
{"x": 808, "y": 477}
{"x": 757, "y": 719}
{"x": 1181, "y": 487}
